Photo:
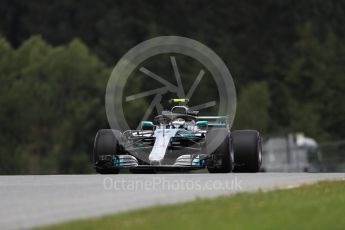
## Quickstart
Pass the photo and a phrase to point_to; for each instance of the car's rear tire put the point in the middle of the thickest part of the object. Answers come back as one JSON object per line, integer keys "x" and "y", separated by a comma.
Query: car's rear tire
{"x": 222, "y": 153}
{"x": 247, "y": 150}
{"x": 107, "y": 143}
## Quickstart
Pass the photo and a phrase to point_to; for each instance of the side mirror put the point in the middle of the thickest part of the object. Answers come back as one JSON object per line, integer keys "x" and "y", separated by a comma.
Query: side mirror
{"x": 147, "y": 125}
{"x": 202, "y": 123}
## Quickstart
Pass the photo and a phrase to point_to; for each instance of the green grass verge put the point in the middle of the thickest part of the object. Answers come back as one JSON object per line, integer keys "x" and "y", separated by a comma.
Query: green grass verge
{"x": 318, "y": 206}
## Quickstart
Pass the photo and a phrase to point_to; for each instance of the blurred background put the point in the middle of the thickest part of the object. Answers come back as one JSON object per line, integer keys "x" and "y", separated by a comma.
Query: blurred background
{"x": 287, "y": 59}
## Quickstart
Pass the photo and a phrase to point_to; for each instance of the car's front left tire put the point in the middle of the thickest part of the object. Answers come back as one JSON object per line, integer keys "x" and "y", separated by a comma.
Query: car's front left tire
{"x": 247, "y": 150}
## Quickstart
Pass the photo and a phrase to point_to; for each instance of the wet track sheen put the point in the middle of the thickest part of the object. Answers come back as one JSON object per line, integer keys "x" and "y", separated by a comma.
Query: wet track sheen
{"x": 28, "y": 201}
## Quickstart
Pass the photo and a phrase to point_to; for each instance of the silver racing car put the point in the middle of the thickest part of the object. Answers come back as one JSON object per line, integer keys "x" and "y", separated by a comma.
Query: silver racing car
{"x": 178, "y": 140}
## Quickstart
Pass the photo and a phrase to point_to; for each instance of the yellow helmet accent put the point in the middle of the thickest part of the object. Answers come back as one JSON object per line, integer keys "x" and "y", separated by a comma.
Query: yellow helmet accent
{"x": 179, "y": 100}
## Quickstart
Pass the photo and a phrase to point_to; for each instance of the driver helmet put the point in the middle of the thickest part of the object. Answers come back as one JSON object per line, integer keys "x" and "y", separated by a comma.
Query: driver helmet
{"x": 178, "y": 123}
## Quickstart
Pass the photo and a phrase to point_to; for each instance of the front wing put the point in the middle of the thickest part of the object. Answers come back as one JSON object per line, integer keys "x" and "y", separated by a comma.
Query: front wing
{"x": 183, "y": 162}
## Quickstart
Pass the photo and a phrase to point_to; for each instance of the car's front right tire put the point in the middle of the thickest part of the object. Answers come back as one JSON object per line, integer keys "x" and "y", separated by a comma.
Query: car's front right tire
{"x": 107, "y": 143}
{"x": 221, "y": 155}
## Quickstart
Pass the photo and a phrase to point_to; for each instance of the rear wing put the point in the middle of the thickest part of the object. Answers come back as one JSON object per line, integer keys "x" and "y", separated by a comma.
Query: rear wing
{"x": 215, "y": 121}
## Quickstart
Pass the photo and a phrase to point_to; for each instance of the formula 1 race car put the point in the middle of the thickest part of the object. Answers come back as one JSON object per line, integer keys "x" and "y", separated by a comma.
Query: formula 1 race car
{"x": 178, "y": 140}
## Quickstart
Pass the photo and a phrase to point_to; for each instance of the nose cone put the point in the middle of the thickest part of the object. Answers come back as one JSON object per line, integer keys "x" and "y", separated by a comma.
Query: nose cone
{"x": 155, "y": 162}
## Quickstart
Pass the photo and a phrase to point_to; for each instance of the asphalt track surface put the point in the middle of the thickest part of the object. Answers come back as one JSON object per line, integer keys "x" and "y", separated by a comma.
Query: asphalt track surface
{"x": 30, "y": 201}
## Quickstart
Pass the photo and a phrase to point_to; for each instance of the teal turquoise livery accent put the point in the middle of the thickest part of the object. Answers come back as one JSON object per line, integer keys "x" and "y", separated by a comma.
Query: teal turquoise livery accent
{"x": 147, "y": 124}
{"x": 198, "y": 162}
{"x": 185, "y": 133}
{"x": 202, "y": 123}
{"x": 116, "y": 161}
